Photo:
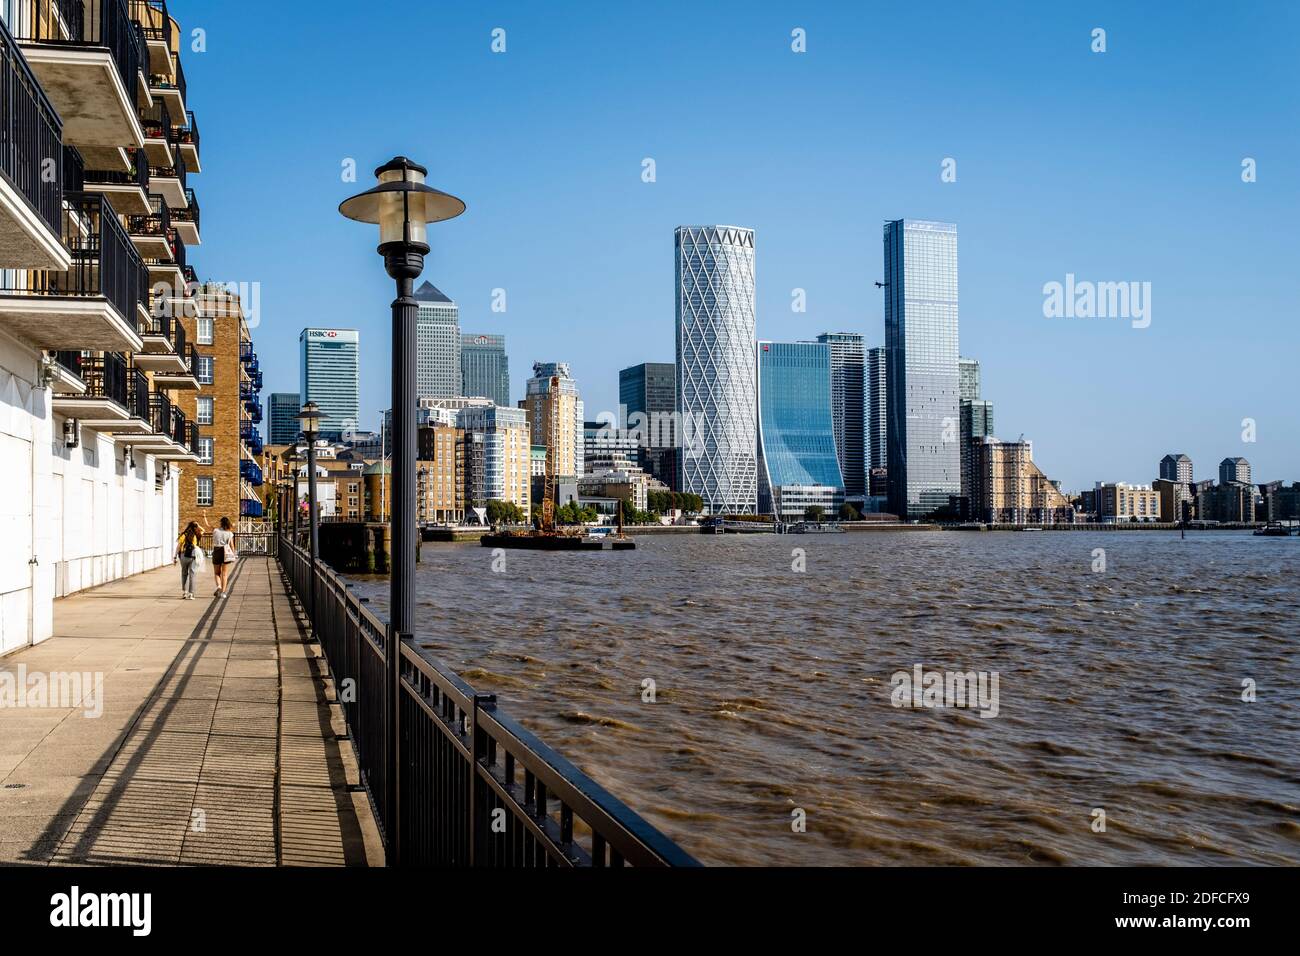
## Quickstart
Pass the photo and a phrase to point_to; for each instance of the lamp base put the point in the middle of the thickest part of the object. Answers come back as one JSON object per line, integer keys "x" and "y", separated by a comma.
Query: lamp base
{"x": 404, "y": 260}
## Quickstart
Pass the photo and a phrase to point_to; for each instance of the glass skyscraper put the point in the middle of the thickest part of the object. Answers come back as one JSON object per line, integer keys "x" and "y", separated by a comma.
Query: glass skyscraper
{"x": 968, "y": 379}
{"x": 484, "y": 368}
{"x": 798, "y": 465}
{"x": 649, "y": 390}
{"x": 877, "y": 408}
{"x": 922, "y": 382}
{"x": 329, "y": 377}
{"x": 282, "y": 426}
{"x": 848, "y": 407}
{"x": 716, "y": 390}
{"x": 437, "y": 345}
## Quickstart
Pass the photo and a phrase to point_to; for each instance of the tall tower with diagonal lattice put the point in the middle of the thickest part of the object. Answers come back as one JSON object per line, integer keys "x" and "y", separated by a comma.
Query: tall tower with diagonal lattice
{"x": 716, "y": 394}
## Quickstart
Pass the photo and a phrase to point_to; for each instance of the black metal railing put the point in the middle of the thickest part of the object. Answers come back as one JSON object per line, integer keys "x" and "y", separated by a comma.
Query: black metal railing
{"x": 177, "y": 247}
{"x": 180, "y": 432}
{"x": 160, "y": 414}
{"x": 173, "y": 330}
{"x": 175, "y": 171}
{"x": 176, "y": 82}
{"x": 153, "y": 19}
{"x": 138, "y": 394}
{"x": 103, "y": 372}
{"x": 191, "y": 211}
{"x": 74, "y": 170}
{"x": 156, "y": 222}
{"x": 473, "y": 787}
{"x": 138, "y": 175}
{"x": 104, "y": 261}
{"x": 97, "y": 23}
{"x": 188, "y": 134}
{"x": 30, "y": 134}
{"x": 158, "y": 124}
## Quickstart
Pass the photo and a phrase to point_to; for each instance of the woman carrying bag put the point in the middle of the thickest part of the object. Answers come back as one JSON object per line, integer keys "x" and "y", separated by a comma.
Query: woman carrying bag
{"x": 189, "y": 551}
{"x": 223, "y": 556}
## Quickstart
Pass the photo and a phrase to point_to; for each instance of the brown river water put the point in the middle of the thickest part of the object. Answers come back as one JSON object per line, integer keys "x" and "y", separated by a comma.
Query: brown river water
{"x": 1118, "y": 689}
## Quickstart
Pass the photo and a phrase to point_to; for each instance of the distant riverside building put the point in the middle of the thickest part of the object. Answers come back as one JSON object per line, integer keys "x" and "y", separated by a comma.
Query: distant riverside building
{"x": 976, "y": 423}
{"x": 968, "y": 379}
{"x": 1008, "y": 488}
{"x": 330, "y": 377}
{"x": 1234, "y": 469}
{"x": 437, "y": 344}
{"x": 1177, "y": 498}
{"x": 798, "y": 466}
{"x": 501, "y": 436}
{"x": 484, "y": 367}
{"x": 877, "y": 410}
{"x": 848, "y": 408}
{"x": 1122, "y": 502}
{"x": 282, "y": 426}
{"x": 650, "y": 390}
{"x": 1279, "y": 502}
{"x": 921, "y": 327}
{"x": 1176, "y": 468}
{"x": 566, "y": 431}
{"x": 716, "y": 392}
{"x": 603, "y": 443}
{"x": 1228, "y": 502}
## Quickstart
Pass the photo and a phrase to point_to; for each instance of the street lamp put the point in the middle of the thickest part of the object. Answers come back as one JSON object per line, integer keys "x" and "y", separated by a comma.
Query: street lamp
{"x": 403, "y": 206}
{"x": 309, "y": 420}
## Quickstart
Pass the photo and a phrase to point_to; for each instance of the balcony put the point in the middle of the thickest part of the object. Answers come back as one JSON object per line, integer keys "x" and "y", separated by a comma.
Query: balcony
{"x": 254, "y": 408}
{"x": 31, "y": 209}
{"x": 179, "y": 439}
{"x": 182, "y": 376}
{"x": 158, "y": 135}
{"x": 129, "y": 191}
{"x": 86, "y": 55}
{"x": 170, "y": 88}
{"x": 156, "y": 26}
{"x": 149, "y": 231}
{"x": 250, "y": 508}
{"x": 187, "y": 140}
{"x": 169, "y": 182}
{"x": 164, "y": 349}
{"x": 186, "y": 220}
{"x": 90, "y": 305}
{"x": 250, "y": 472}
{"x": 169, "y": 268}
{"x": 103, "y": 402}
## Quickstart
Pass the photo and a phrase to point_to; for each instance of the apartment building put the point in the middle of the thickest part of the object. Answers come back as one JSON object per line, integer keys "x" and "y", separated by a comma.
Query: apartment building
{"x": 1122, "y": 502}
{"x": 440, "y": 492}
{"x": 1007, "y": 487}
{"x": 96, "y": 214}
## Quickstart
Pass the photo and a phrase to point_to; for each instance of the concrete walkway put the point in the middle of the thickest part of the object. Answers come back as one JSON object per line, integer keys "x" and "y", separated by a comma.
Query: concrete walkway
{"x": 212, "y": 740}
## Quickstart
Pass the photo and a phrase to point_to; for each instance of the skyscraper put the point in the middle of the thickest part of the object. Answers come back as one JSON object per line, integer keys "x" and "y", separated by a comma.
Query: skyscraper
{"x": 976, "y": 423}
{"x": 484, "y": 368}
{"x": 566, "y": 430}
{"x": 848, "y": 408}
{"x": 877, "y": 408}
{"x": 648, "y": 394}
{"x": 968, "y": 379}
{"x": 282, "y": 418}
{"x": 330, "y": 378}
{"x": 1176, "y": 468}
{"x": 716, "y": 391}
{"x": 923, "y": 387}
{"x": 437, "y": 345}
{"x": 1234, "y": 469}
{"x": 798, "y": 465}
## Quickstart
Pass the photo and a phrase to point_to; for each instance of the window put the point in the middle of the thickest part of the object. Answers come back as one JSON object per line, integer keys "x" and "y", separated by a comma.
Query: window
{"x": 204, "y": 492}
{"x": 205, "y": 331}
{"x": 205, "y": 369}
{"x": 204, "y": 411}
{"x": 205, "y": 451}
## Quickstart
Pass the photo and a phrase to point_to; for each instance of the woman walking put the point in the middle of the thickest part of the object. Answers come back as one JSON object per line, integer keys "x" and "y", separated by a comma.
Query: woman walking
{"x": 187, "y": 545}
{"x": 223, "y": 556}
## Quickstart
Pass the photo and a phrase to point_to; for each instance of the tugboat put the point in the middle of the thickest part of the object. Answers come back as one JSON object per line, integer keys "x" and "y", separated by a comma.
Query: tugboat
{"x": 1273, "y": 530}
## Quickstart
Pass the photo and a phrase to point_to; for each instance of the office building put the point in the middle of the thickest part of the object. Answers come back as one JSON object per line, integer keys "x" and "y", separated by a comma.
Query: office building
{"x": 330, "y": 377}
{"x": 848, "y": 408}
{"x": 877, "y": 414}
{"x": 1176, "y": 468}
{"x": 608, "y": 446}
{"x": 716, "y": 391}
{"x": 921, "y": 336}
{"x": 437, "y": 344}
{"x": 563, "y": 433}
{"x": 648, "y": 396}
{"x": 484, "y": 368}
{"x": 1234, "y": 470}
{"x": 968, "y": 379}
{"x": 282, "y": 410}
{"x": 798, "y": 465}
{"x": 1007, "y": 487}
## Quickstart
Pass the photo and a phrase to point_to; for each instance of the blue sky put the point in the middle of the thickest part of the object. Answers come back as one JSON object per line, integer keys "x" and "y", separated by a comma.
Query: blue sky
{"x": 1115, "y": 166}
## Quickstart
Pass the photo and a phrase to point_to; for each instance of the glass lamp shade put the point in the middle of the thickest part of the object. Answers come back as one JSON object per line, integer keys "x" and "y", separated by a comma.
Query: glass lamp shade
{"x": 402, "y": 204}
{"x": 309, "y": 420}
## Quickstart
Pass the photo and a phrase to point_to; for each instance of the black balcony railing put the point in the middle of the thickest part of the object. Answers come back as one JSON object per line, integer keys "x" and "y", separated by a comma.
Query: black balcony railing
{"x": 178, "y": 249}
{"x": 173, "y": 330}
{"x": 104, "y": 261}
{"x": 158, "y": 124}
{"x": 160, "y": 415}
{"x": 175, "y": 171}
{"x": 191, "y": 212}
{"x": 138, "y": 395}
{"x": 157, "y": 222}
{"x": 464, "y": 764}
{"x": 153, "y": 19}
{"x": 175, "y": 82}
{"x": 30, "y": 133}
{"x": 180, "y": 432}
{"x": 103, "y": 372}
{"x": 137, "y": 176}
{"x": 191, "y": 356}
{"x": 85, "y": 23}
{"x": 189, "y": 133}
{"x": 74, "y": 170}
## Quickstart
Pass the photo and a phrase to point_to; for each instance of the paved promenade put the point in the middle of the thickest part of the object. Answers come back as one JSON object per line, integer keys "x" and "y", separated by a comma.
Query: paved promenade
{"x": 212, "y": 739}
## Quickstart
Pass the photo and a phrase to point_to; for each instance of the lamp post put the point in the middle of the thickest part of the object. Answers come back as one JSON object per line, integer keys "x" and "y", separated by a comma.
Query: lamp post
{"x": 403, "y": 206}
{"x": 309, "y": 418}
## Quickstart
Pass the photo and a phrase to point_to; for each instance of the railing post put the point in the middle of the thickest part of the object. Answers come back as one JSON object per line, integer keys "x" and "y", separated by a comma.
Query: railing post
{"x": 477, "y": 747}
{"x": 392, "y": 746}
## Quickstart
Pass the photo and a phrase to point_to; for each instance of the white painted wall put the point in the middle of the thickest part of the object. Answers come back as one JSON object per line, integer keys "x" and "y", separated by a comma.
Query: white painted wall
{"x": 70, "y": 518}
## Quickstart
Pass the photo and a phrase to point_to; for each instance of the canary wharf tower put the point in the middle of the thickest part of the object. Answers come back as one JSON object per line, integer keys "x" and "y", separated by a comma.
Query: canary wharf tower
{"x": 716, "y": 393}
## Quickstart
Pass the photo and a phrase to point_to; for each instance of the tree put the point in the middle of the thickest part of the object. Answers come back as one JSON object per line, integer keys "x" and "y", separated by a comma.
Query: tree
{"x": 504, "y": 512}
{"x": 848, "y": 512}
{"x": 813, "y": 513}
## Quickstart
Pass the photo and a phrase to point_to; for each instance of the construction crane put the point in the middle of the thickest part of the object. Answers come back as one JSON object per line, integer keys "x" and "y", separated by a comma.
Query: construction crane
{"x": 549, "y": 483}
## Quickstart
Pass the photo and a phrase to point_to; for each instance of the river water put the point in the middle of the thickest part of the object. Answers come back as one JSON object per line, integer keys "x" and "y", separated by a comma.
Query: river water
{"x": 1119, "y": 689}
